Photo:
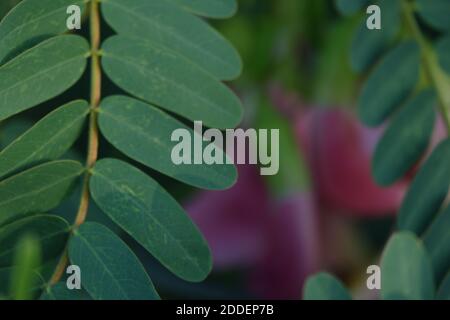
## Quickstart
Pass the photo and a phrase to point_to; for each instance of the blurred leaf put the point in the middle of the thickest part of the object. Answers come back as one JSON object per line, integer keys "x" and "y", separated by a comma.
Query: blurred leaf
{"x": 27, "y": 259}
{"x": 444, "y": 289}
{"x": 150, "y": 215}
{"x": 443, "y": 52}
{"x": 49, "y": 139}
{"x": 435, "y": 13}
{"x": 437, "y": 242}
{"x": 210, "y": 8}
{"x": 45, "y": 71}
{"x": 162, "y": 77}
{"x": 37, "y": 190}
{"x": 369, "y": 44}
{"x": 167, "y": 27}
{"x": 406, "y": 139}
{"x": 427, "y": 192}
{"x": 50, "y": 231}
{"x": 60, "y": 291}
{"x": 406, "y": 269}
{"x": 348, "y": 7}
{"x": 110, "y": 269}
{"x": 390, "y": 84}
{"x": 324, "y": 286}
{"x": 32, "y": 22}
{"x": 143, "y": 133}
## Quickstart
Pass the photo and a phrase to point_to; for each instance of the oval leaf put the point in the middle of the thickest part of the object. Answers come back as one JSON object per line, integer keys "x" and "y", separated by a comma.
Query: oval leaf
{"x": 406, "y": 139}
{"x": 369, "y": 44}
{"x": 143, "y": 133}
{"x": 150, "y": 215}
{"x": 38, "y": 189}
{"x": 435, "y": 13}
{"x": 218, "y": 9}
{"x": 60, "y": 291}
{"x": 437, "y": 242}
{"x": 324, "y": 286}
{"x": 49, "y": 139}
{"x": 163, "y": 78}
{"x": 50, "y": 231}
{"x": 390, "y": 84}
{"x": 31, "y": 22}
{"x": 406, "y": 269}
{"x": 168, "y": 26}
{"x": 427, "y": 192}
{"x": 45, "y": 71}
{"x": 111, "y": 271}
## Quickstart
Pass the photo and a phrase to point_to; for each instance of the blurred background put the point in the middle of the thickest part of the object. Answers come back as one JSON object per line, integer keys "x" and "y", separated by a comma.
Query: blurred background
{"x": 323, "y": 211}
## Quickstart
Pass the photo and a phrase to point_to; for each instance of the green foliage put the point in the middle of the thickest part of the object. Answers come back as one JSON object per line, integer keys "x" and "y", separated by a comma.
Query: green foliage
{"x": 324, "y": 286}
{"x": 164, "y": 55}
{"x": 406, "y": 87}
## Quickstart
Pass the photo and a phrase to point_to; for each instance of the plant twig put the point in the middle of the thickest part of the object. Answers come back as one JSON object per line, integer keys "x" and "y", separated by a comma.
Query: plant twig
{"x": 92, "y": 152}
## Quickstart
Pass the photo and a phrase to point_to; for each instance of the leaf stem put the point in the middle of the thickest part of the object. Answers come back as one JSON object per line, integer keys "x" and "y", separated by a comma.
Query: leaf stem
{"x": 92, "y": 152}
{"x": 435, "y": 75}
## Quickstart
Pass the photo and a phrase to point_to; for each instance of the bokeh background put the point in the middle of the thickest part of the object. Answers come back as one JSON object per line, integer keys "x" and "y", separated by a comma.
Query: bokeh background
{"x": 323, "y": 211}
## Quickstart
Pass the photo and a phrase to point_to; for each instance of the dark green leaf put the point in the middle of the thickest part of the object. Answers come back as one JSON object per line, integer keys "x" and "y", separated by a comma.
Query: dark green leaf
{"x": 49, "y": 139}
{"x": 369, "y": 44}
{"x": 437, "y": 242}
{"x": 50, "y": 231}
{"x": 427, "y": 192}
{"x": 59, "y": 291}
{"x": 37, "y": 190}
{"x": 324, "y": 286}
{"x": 443, "y": 52}
{"x": 406, "y": 269}
{"x": 169, "y": 27}
{"x": 41, "y": 73}
{"x": 406, "y": 139}
{"x": 150, "y": 215}
{"x": 163, "y": 78}
{"x": 110, "y": 269}
{"x": 435, "y": 13}
{"x": 210, "y": 8}
{"x": 143, "y": 133}
{"x": 348, "y": 7}
{"x": 6, "y": 6}
{"x": 27, "y": 258}
{"x": 444, "y": 289}
{"x": 31, "y": 22}
{"x": 390, "y": 84}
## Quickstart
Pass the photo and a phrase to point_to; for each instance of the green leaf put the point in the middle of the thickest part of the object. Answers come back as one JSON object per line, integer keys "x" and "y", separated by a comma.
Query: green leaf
{"x": 49, "y": 139}
{"x": 443, "y": 52}
{"x": 41, "y": 73}
{"x": 427, "y": 192}
{"x": 60, "y": 291}
{"x": 324, "y": 286}
{"x": 218, "y": 9}
{"x": 6, "y": 6}
{"x": 435, "y": 13}
{"x": 406, "y": 139}
{"x": 348, "y": 7}
{"x": 27, "y": 258}
{"x": 437, "y": 242}
{"x": 110, "y": 269}
{"x": 444, "y": 289}
{"x": 170, "y": 28}
{"x": 38, "y": 189}
{"x": 12, "y": 129}
{"x": 368, "y": 45}
{"x": 390, "y": 84}
{"x": 143, "y": 133}
{"x": 406, "y": 269}
{"x": 50, "y": 231}
{"x": 31, "y": 22}
{"x": 150, "y": 215}
{"x": 163, "y": 78}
